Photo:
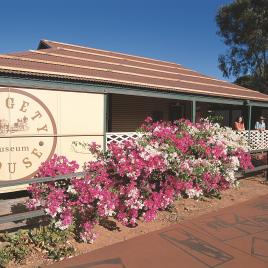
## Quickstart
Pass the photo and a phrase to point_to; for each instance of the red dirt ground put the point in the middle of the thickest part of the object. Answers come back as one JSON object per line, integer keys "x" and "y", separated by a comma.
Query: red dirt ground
{"x": 183, "y": 210}
{"x": 232, "y": 237}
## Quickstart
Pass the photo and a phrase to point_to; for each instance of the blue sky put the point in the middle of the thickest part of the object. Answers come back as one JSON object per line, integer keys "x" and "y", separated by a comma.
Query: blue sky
{"x": 172, "y": 30}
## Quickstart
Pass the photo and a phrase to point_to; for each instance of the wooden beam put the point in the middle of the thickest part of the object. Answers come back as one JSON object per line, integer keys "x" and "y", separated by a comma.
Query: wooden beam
{"x": 40, "y": 180}
{"x": 259, "y": 168}
{"x": 21, "y": 216}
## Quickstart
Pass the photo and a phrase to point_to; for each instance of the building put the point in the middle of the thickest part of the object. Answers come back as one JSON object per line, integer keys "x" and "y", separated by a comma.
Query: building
{"x": 58, "y": 98}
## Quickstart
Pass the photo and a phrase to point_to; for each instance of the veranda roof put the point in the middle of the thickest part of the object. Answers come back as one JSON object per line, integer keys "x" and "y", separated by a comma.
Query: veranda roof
{"x": 71, "y": 62}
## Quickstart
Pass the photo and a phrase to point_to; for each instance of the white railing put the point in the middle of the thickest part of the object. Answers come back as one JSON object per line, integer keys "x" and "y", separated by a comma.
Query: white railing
{"x": 120, "y": 136}
{"x": 257, "y": 140}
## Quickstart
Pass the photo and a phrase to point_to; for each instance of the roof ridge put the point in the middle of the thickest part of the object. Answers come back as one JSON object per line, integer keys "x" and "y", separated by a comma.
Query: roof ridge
{"x": 126, "y": 65}
{"x": 178, "y": 66}
{"x": 113, "y": 52}
{"x": 117, "y": 56}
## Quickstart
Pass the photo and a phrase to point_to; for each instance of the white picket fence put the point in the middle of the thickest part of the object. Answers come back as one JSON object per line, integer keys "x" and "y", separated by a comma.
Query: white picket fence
{"x": 257, "y": 140}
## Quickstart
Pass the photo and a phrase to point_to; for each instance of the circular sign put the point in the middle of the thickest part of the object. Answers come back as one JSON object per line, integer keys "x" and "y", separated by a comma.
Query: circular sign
{"x": 28, "y": 134}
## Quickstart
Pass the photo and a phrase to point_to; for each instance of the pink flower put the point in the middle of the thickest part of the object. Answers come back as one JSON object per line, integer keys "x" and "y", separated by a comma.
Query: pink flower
{"x": 139, "y": 177}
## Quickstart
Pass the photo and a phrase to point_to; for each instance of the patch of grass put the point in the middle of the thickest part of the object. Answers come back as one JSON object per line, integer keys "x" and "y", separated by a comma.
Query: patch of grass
{"x": 46, "y": 239}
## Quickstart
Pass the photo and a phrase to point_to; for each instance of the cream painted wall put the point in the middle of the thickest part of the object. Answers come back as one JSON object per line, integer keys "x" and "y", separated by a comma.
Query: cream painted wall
{"x": 28, "y": 135}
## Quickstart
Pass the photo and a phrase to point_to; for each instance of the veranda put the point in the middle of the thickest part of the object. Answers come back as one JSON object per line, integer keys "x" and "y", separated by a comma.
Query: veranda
{"x": 126, "y": 113}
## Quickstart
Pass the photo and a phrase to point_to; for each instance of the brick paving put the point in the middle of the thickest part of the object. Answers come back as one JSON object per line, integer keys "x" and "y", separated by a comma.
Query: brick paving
{"x": 232, "y": 237}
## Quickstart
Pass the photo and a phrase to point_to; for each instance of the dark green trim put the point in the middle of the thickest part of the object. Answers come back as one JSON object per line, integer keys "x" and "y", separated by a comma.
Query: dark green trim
{"x": 105, "y": 119}
{"x": 259, "y": 104}
{"x": 110, "y": 112}
{"x": 77, "y": 86}
{"x": 249, "y": 117}
{"x": 193, "y": 111}
{"x": 249, "y": 121}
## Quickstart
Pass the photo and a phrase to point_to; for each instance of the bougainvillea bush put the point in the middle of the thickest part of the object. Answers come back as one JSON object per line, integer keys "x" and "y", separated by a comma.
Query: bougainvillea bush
{"x": 136, "y": 178}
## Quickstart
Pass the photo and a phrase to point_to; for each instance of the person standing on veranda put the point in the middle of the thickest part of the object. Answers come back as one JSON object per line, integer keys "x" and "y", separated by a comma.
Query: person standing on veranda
{"x": 261, "y": 126}
{"x": 239, "y": 124}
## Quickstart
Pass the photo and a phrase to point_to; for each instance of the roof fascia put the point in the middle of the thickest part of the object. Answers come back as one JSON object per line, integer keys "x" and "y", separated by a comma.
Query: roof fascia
{"x": 63, "y": 85}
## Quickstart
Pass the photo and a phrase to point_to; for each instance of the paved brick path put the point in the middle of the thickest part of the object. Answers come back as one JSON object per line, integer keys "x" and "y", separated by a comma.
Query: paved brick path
{"x": 232, "y": 237}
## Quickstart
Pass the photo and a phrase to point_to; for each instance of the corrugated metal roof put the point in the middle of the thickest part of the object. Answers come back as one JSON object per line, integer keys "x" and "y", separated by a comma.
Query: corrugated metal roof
{"x": 54, "y": 59}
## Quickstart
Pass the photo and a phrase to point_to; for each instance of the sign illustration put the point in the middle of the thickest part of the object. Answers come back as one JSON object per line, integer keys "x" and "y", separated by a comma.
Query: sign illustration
{"x": 28, "y": 134}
